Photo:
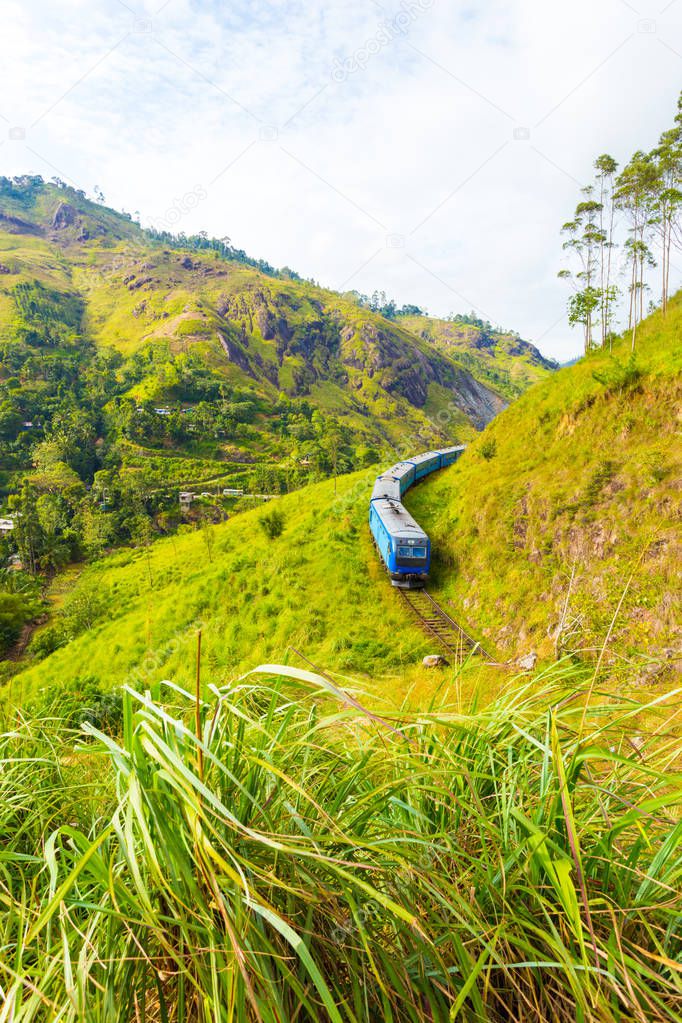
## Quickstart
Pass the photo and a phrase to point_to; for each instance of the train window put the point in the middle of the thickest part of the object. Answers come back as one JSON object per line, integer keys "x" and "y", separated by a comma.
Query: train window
{"x": 411, "y": 552}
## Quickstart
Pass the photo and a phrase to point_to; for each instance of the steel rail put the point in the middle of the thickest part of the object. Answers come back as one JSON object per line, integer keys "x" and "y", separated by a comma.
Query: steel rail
{"x": 441, "y": 623}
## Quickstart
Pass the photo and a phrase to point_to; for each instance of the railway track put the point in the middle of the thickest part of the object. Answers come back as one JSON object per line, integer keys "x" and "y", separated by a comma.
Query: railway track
{"x": 441, "y": 626}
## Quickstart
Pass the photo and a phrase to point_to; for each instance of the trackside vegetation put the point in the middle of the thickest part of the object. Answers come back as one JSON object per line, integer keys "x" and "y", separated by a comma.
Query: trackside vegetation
{"x": 299, "y": 573}
{"x": 275, "y": 852}
{"x": 565, "y": 510}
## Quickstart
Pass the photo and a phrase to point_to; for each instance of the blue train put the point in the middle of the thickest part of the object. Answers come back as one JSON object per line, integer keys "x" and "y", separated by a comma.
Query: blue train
{"x": 403, "y": 545}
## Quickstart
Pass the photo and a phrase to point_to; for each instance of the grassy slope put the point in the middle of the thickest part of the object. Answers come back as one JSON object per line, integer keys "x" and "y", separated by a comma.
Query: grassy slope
{"x": 584, "y": 479}
{"x": 318, "y": 587}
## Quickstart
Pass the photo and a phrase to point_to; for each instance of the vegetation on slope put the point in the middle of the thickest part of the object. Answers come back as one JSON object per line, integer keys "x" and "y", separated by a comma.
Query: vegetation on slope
{"x": 315, "y": 585}
{"x": 566, "y": 509}
{"x": 498, "y": 358}
{"x": 304, "y": 860}
{"x": 136, "y": 365}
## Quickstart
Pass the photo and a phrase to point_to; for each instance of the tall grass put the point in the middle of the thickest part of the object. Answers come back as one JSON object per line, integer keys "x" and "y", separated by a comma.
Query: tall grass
{"x": 302, "y": 861}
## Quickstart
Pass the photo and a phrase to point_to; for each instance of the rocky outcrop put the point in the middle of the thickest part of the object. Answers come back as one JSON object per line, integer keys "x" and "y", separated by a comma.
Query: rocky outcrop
{"x": 528, "y": 662}
{"x": 64, "y": 216}
{"x": 15, "y": 225}
{"x": 235, "y": 354}
{"x": 404, "y": 369}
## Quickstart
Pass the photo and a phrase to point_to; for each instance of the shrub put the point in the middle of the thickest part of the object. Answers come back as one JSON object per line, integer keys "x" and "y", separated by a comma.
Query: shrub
{"x": 619, "y": 376}
{"x": 272, "y": 523}
{"x": 79, "y": 702}
{"x": 603, "y": 473}
{"x": 47, "y": 641}
{"x": 488, "y": 449}
{"x": 16, "y": 609}
{"x": 83, "y": 608}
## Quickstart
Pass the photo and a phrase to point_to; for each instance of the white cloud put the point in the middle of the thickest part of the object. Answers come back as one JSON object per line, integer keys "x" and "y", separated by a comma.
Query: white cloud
{"x": 416, "y": 142}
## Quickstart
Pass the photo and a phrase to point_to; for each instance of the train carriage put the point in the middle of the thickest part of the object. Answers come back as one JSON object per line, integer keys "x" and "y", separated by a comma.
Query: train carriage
{"x": 403, "y": 472}
{"x": 450, "y": 455}
{"x": 425, "y": 464}
{"x": 386, "y": 487}
{"x": 404, "y": 546}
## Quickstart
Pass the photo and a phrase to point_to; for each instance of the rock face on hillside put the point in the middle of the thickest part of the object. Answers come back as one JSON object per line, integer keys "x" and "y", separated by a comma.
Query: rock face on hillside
{"x": 350, "y": 346}
{"x": 64, "y": 216}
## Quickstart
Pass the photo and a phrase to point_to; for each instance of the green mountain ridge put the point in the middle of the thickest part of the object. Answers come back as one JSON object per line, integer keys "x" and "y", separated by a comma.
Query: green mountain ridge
{"x": 266, "y": 333}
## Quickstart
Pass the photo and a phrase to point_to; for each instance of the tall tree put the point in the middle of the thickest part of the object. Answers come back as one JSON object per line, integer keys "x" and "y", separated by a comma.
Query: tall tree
{"x": 585, "y": 239}
{"x": 606, "y": 168}
{"x": 668, "y": 160}
{"x": 636, "y": 194}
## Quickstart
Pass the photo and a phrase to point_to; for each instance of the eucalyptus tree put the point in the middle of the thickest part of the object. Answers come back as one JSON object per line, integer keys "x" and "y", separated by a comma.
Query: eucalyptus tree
{"x": 668, "y": 159}
{"x": 606, "y": 168}
{"x": 585, "y": 238}
{"x": 636, "y": 194}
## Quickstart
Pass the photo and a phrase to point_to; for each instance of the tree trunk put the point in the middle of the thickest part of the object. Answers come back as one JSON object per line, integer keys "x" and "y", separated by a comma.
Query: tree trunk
{"x": 608, "y": 269}
{"x": 602, "y": 297}
{"x": 666, "y": 257}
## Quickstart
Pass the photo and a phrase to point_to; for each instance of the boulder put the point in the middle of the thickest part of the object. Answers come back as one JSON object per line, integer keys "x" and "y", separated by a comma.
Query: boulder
{"x": 435, "y": 661}
{"x": 528, "y": 662}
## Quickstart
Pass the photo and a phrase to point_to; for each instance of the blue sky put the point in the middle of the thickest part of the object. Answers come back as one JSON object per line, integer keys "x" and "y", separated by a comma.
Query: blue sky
{"x": 428, "y": 148}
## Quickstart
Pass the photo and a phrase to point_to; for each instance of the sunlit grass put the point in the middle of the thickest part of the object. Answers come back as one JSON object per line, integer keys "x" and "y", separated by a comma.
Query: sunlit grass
{"x": 306, "y": 860}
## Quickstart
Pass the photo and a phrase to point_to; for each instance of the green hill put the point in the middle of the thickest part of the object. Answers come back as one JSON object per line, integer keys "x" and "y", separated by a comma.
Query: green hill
{"x": 498, "y": 358}
{"x": 560, "y": 524}
{"x": 317, "y": 587}
{"x": 163, "y": 322}
{"x": 135, "y": 364}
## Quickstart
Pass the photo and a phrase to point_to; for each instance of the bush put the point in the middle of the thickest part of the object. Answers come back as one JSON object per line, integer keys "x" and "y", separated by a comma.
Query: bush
{"x": 83, "y": 608}
{"x": 272, "y": 523}
{"x": 82, "y": 701}
{"x": 47, "y": 641}
{"x": 16, "y": 609}
{"x": 620, "y": 376}
{"x": 603, "y": 473}
{"x": 488, "y": 449}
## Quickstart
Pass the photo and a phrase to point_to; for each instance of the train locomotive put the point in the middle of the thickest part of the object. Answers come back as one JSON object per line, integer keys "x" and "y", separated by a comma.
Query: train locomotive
{"x": 403, "y": 545}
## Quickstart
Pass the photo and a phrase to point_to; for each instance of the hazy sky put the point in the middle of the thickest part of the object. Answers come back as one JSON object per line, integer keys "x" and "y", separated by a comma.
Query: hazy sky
{"x": 429, "y": 148}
